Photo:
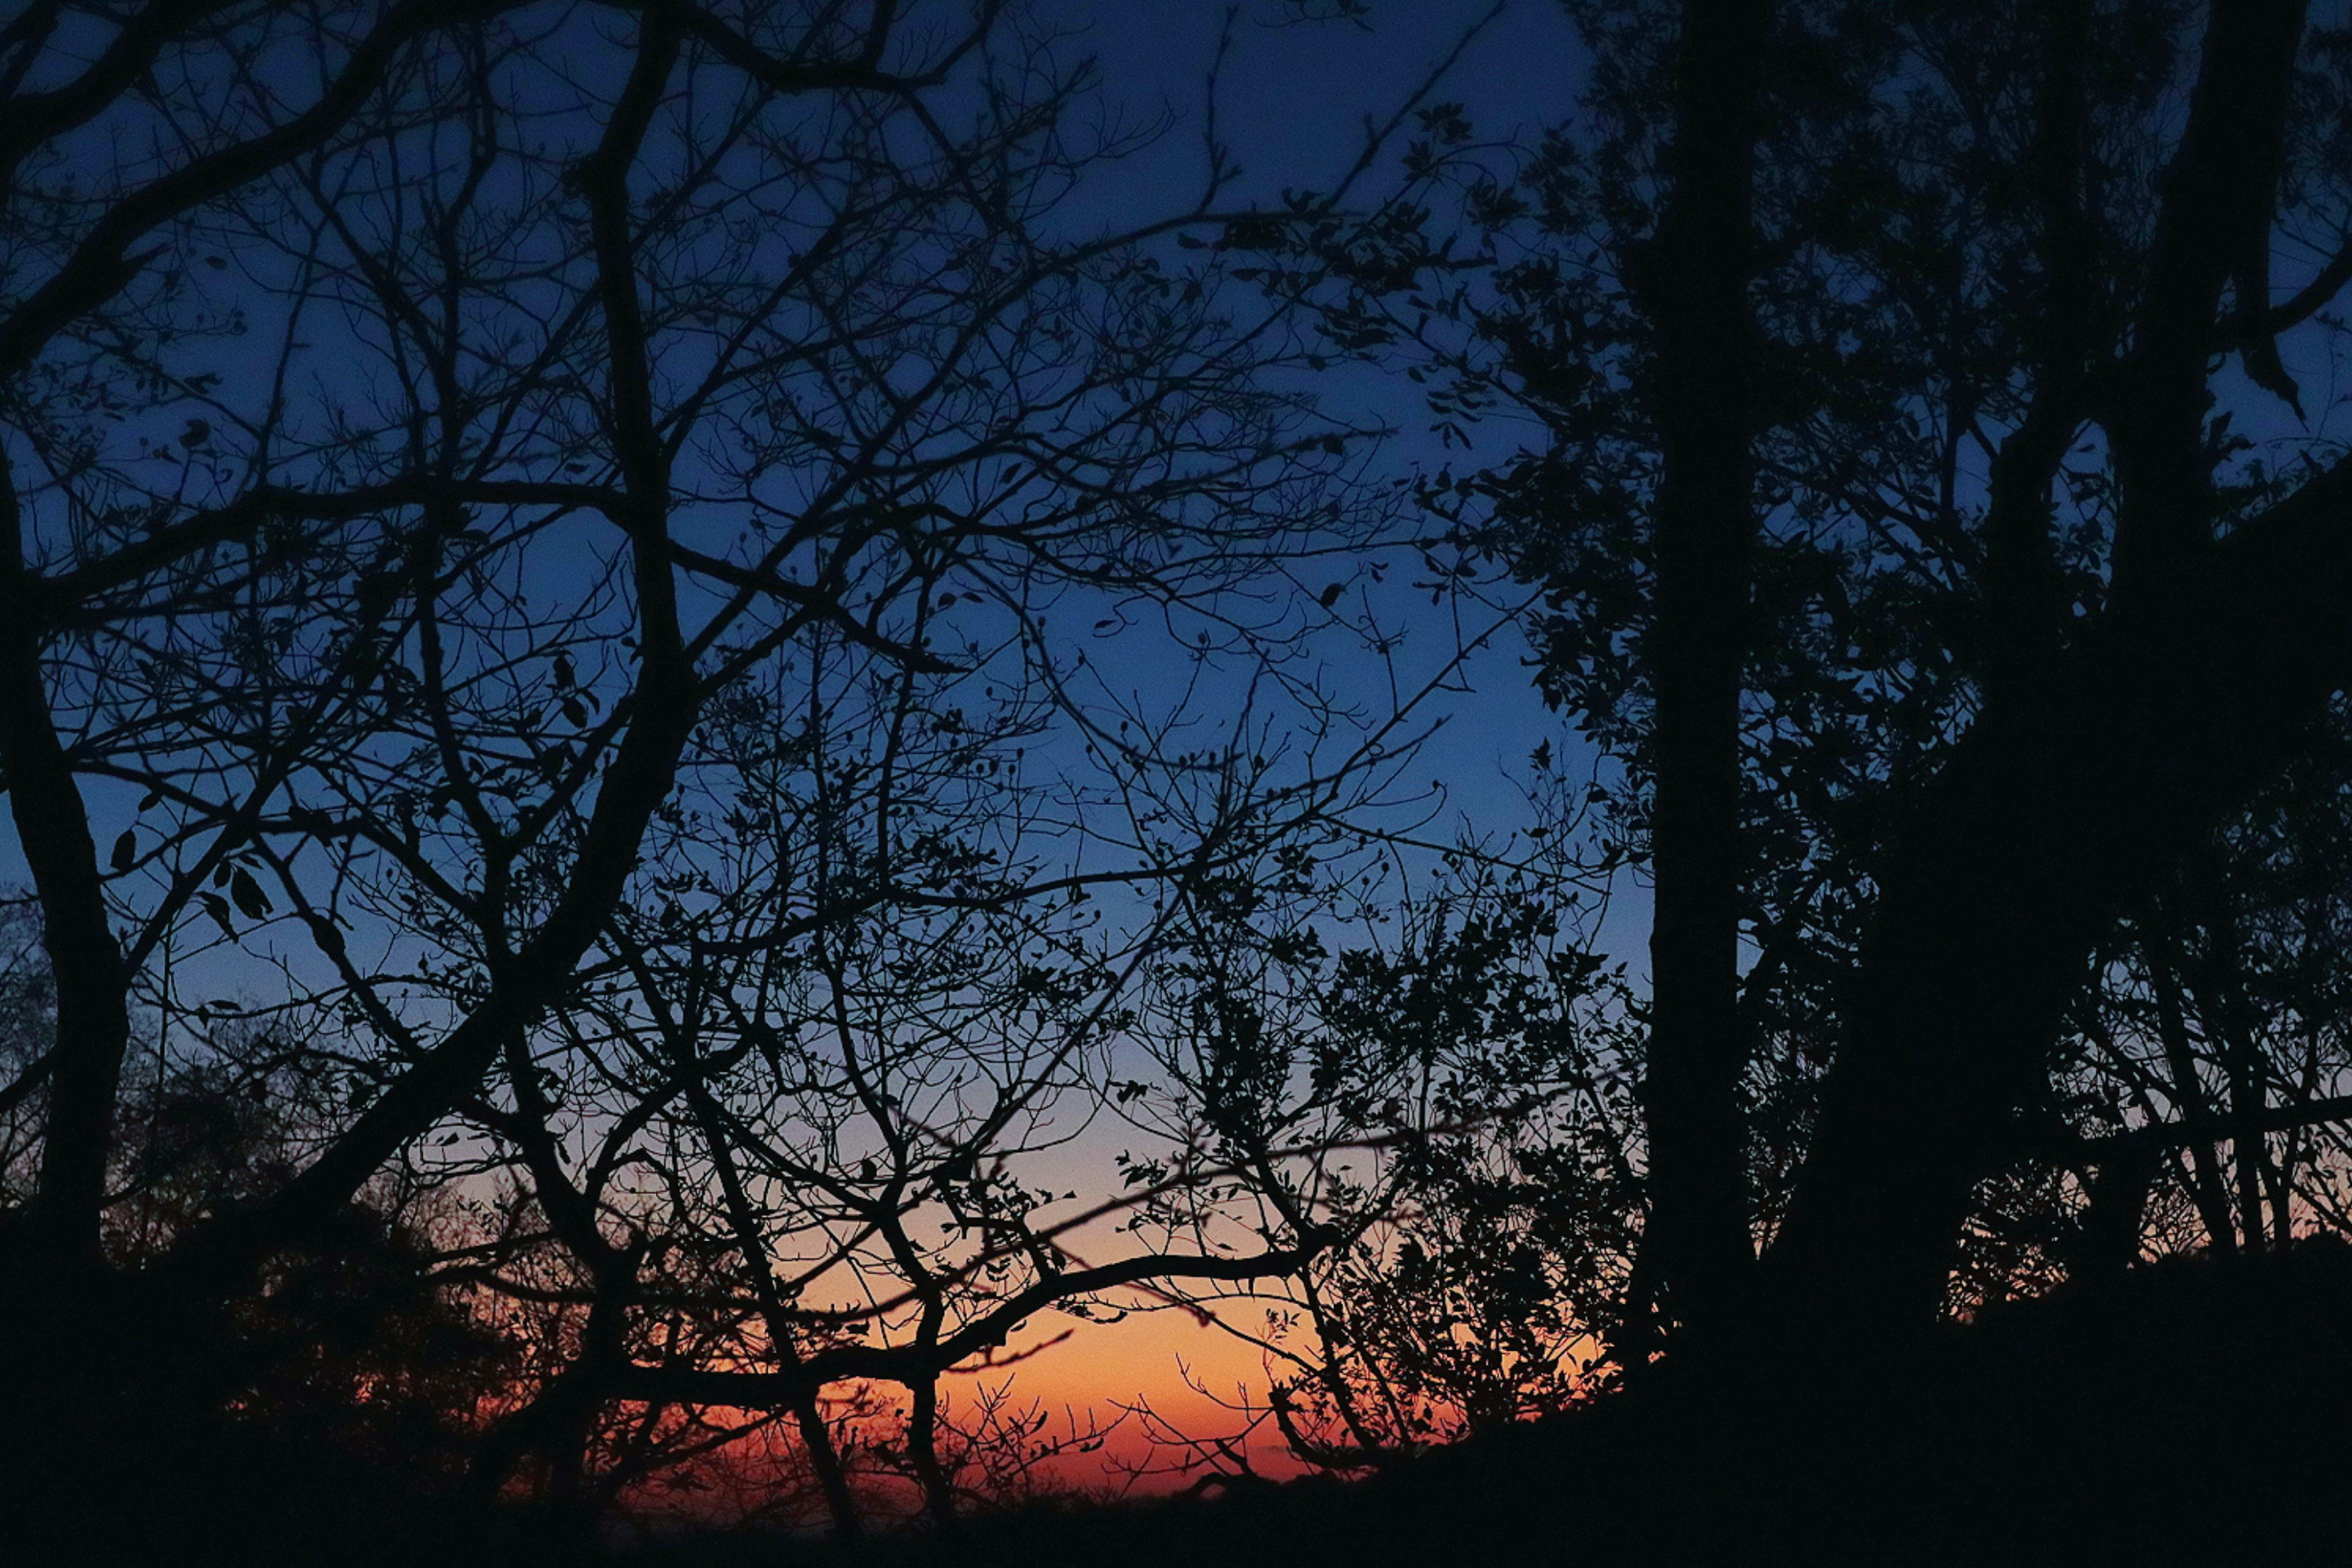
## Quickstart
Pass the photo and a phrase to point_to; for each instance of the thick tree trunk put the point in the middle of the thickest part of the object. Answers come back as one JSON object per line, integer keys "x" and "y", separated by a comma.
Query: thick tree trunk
{"x": 93, "y": 1017}
{"x": 2064, "y": 802}
{"x": 2010, "y": 866}
{"x": 923, "y": 1452}
{"x": 1692, "y": 282}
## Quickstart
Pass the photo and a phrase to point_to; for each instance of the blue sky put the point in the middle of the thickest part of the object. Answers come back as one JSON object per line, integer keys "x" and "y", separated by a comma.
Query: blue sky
{"x": 1293, "y": 102}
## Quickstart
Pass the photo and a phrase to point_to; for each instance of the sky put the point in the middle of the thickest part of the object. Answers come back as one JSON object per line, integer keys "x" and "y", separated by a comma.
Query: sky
{"x": 1292, "y": 103}
{"x": 1293, "y": 99}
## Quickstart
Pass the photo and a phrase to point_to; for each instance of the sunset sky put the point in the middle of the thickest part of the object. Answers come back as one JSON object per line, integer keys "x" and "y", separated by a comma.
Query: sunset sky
{"x": 1292, "y": 103}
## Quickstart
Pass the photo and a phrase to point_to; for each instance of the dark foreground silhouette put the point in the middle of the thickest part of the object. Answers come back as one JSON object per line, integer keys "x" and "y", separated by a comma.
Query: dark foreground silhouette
{"x": 2188, "y": 1412}
{"x": 2191, "y": 1412}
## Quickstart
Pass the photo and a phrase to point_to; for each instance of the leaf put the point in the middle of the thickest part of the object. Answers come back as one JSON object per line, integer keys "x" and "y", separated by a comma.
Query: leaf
{"x": 217, "y": 907}
{"x": 1330, "y": 595}
{"x": 575, "y": 710}
{"x": 126, "y": 850}
{"x": 248, "y": 894}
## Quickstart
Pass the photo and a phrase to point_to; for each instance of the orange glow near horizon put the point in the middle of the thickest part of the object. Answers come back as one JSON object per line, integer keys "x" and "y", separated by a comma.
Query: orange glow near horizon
{"x": 1101, "y": 1371}
{"x": 1087, "y": 1378}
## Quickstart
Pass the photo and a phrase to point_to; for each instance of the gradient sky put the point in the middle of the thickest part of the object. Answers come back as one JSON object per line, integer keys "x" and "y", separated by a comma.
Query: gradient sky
{"x": 1293, "y": 104}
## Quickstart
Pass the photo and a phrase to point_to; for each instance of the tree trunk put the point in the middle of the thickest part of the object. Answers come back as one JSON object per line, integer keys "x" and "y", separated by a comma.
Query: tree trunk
{"x": 2226, "y": 1016}
{"x": 923, "y": 1453}
{"x": 1692, "y": 282}
{"x": 2010, "y": 866}
{"x": 2189, "y": 1098}
{"x": 94, "y": 1016}
{"x": 2054, "y": 813}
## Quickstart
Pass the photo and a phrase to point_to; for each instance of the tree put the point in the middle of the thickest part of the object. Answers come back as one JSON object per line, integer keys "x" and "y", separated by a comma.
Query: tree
{"x": 1449, "y": 1105}
{"x": 554, "y": 548}
{"x": 2026, "y": 620}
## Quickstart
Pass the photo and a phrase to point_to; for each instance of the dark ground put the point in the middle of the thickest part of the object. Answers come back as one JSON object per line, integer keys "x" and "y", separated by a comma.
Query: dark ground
{"x": 2188, "y": 1413}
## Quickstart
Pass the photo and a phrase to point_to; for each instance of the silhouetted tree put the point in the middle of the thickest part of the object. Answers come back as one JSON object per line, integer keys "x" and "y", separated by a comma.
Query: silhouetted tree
{"x": 553, "y": 555}
{"x": 1994, "y": 311}
{"x": 1959, "y": 353}
{"x": 1448, "y": 1099}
